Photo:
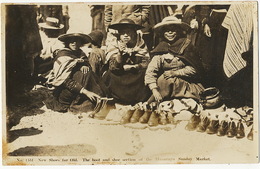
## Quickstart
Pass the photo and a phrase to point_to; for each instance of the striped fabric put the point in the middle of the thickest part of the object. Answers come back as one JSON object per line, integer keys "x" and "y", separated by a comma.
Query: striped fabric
{"x": 239, "y": 22}
{"x": 62, "y": 69}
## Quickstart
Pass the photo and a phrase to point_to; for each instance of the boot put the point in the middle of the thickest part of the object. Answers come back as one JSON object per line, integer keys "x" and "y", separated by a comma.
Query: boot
{"x": 101, "y": 115}
{"x": 231, "y": 132}
{"x": 240, "y": 130}
{"x": 212, "y": 127}
{"x": 126, "y": 118}
{"x": 136, "y": 116}
{"x": 99, "y": 105}
{"x": 153, "y": 120}
{"x": 171, "y": 119}
{"x": 203, "y": 124}
{"x": 163, "y": 119}
{"x": 145, "y": 117}
{"x": 250, "y": 135}
{"x": 193, "y": 123}
{"x": 222, "y": 130}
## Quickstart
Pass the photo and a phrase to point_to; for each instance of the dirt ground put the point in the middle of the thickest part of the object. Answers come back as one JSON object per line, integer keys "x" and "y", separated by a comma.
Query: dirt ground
{"x": 35, "y": 131}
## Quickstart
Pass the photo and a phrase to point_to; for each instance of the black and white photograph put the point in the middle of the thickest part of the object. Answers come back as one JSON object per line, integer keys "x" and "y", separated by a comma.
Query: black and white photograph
{"x": 122, "y": 83}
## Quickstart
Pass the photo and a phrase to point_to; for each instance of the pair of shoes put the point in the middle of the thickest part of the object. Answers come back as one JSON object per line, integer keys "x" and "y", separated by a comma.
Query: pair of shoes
{"x": 203, "y": 124}
{"x": 145, "y": 117}
{"x": 103, "y": 108}
{"x": 136, "y": 116}
{"x": 234, "y": 130}
{"x": 126, "y": 118}
{"x": 240, "y": 130}
{"x": 132, "y": 116}
{"x": 231, "y": 131}
{"x": 153, "y": 120}
{"x": 212, "y": 127}
{"x": 163, "y": 119}
{"x": 223, "y": 127}
{"x": 193, "y": 123}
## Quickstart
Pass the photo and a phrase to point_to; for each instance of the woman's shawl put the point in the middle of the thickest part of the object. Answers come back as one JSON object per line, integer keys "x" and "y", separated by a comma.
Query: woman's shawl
{"x": 140, "y": 48}
{"x": 183, "y": 49}
{"x": 63, "y": 66}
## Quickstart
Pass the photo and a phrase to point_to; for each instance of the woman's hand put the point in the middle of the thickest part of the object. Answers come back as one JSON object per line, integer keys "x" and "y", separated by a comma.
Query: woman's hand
{"x": 122, "y": 46}
{"x": 168, "y": 74}
{"x": 80, "y": 60}
{"x": 207, "y": 31}
{"x": 157, "y": 95}
{"x": 129, "y": 67}
{"x": 92, "y": 96}
{"x": 84, "y": 69}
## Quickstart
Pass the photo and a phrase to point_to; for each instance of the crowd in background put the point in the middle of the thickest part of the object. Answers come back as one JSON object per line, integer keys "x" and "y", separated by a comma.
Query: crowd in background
{"x": 220, "y": 34}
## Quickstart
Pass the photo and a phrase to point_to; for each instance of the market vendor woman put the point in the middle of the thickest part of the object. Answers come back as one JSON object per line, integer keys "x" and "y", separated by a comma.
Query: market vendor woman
{"x": 128, "y": 57}
{"x": 175, "y": 69}
{"x": 76, "y": 86}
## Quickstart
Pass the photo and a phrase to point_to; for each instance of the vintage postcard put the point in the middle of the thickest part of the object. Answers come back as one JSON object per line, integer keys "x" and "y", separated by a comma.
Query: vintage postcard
{"x": 130, "y": 83}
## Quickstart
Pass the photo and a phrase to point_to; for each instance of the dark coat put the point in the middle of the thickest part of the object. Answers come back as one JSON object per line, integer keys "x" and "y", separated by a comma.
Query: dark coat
{"x": 183, "y": 49}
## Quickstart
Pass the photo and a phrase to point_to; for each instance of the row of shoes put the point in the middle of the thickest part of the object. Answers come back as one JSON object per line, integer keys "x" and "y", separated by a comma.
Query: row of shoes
{"x": 201, "y": 124}
{"x": 230, "y": 129}
{"x": 152, "y": 118}
{"x": 149, "y": 117}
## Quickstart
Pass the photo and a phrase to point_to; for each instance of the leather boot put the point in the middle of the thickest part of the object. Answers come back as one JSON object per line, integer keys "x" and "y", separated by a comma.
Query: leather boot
{"x": 212, "y": 127}
{"x": 203, "y": 124}
{"x": 153, "y": 120}
{"x": 222, "y": 130}
{"x": 163, "y": 119}
{"x": 240, "y": 130}
{"x": 126, "y": 118}
{"x": 145, "y": 117}
{"x": 101, "y": 115}
{"x": 231, "y": 132}
{"x": 193, "y": 123}
{"x": 136, "y": 116}
{"x": 250, "y": 135}
{"x": 171, "y": 119}
{"x": 99, "y": 105}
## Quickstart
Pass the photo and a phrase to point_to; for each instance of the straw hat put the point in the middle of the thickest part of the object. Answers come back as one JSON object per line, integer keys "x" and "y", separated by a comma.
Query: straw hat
{"x": 171, "y": 20}
{"x": 51, "y": 23}
{"x": 67, "y": 37}
{"x": 123, "y": 23}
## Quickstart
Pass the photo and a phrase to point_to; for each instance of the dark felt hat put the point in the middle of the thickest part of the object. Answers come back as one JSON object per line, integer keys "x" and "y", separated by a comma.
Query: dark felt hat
{"x": 67, "y": 37}
{"x": 123, "y": 23}
{"x": 96, "y": 37}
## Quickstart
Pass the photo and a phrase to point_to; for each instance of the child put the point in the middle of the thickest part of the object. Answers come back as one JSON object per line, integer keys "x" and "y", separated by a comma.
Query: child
{"x": 96, "y": 55}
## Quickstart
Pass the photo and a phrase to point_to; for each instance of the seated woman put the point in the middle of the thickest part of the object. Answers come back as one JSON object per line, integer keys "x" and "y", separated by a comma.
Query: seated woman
{"x": 76, "y": 86}
{"x": 174, "y": 71}
{"x": 128, "y": 58}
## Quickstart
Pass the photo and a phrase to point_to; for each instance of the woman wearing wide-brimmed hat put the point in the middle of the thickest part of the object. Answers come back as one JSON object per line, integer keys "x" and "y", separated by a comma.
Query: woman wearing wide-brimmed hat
{"x": 175, "y": 69}
{"x": 128, "y": 57}
{"x": 76, "y": 86}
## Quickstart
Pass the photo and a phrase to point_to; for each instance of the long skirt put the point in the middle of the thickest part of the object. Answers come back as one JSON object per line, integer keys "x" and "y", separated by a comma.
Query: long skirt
{"x": 126, "y": 88}
{"x": 64, "y": 99}
{"x": 178, "y": 88}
